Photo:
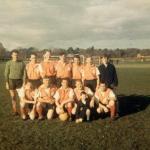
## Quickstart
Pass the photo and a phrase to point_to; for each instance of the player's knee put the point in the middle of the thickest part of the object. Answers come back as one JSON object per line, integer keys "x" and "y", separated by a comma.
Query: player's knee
{"x": 22, "y": 104}
{"x": 98, "y": 110}
{"x": 111, "y": 103}
{"x": 39, "y": 108}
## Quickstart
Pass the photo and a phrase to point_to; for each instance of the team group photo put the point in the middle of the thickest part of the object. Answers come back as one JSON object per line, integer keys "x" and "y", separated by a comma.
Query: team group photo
{"x": 75, "y": 75}
{"x": 70, "y": 90}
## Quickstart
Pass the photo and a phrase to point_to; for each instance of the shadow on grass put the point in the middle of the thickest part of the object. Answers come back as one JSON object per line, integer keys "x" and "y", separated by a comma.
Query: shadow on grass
{"x": 132, "y": 104}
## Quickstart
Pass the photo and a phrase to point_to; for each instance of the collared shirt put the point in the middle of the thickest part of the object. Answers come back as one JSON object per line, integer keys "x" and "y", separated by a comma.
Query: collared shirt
{"x": 47, "y": 69}
{"x": 77, "y": 72}
{"x": 33, "y": 71}
{"x": 90, "y": 72}
{"x": 106, "y": 96}
{"x": 64, "y": 70}
{"x": 64, "y": 94}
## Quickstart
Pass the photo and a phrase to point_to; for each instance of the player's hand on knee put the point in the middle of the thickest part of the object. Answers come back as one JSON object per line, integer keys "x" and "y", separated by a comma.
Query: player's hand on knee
{"x": 100, "y": 110}
{"x": 106, "y": 109}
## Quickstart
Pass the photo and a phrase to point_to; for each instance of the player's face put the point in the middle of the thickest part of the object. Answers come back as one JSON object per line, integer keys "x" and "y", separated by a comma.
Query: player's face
{"x": 14, "y": 56}
{"x": 76, "y": 61}
{"x": 64, "y": 83}
{"x": 47, "y": 55}
{"x": 89, "y": 60}
{"x": 102, "y": 87}
{"x": 83, "y": 96}
{"x": 63, "y": 58}
{"x": 46, "y": 82}
{"x": 104, "y": 60}
{"x": 33, "y": 58}
{"x": 79, "y": 85}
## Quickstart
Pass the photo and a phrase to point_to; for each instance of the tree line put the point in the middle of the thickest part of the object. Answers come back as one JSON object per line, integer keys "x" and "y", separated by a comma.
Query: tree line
{"x": 115, "y": 53}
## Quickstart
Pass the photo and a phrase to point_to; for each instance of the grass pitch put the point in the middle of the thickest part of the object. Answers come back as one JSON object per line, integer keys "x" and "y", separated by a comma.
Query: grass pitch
{"x": 130, "y": 132}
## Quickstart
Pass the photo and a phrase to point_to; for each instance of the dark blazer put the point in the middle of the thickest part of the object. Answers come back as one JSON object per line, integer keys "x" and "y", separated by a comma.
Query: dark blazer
{"x": 108, "y": 75}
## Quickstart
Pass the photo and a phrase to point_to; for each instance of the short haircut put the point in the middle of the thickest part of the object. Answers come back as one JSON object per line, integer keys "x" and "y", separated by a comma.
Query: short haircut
{"x": 88, "y": 56}
{"x": 46, "y": 50}
{"x": 33, "y": 54}
{"x": 104, "y": 84}
{"x": 63, "y": 54}
{"x": 105, "y": 56}
{"x": 14, "y": 51}
{"x": 77, "y": 56}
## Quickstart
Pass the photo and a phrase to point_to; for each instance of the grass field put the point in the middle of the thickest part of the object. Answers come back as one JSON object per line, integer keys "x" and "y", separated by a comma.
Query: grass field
{"x": 130, "y": 132}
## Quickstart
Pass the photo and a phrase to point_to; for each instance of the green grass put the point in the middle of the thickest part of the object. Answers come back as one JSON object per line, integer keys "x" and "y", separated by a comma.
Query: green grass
{"x": 130, "y": 132}
{"x": 133, "y": 80}
{"x": 134, "y": 65}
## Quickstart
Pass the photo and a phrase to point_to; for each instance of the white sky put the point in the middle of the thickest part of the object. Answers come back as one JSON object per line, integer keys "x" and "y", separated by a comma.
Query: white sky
{"x": 80, "y": 23}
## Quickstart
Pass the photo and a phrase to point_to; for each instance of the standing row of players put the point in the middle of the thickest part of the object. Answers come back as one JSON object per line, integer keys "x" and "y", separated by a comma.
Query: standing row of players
{"x": 70, "y": 90}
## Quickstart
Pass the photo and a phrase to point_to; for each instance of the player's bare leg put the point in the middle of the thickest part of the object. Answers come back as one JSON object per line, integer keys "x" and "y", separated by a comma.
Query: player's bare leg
{"x": 14, "y": 101}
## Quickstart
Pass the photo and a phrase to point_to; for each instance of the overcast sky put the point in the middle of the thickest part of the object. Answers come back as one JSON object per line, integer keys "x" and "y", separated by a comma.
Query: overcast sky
{"x": 80, "y": 23}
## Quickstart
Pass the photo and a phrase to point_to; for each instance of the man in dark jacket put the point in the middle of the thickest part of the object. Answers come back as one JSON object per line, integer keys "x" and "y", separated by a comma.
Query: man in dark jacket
{"x": 108, "y": 73}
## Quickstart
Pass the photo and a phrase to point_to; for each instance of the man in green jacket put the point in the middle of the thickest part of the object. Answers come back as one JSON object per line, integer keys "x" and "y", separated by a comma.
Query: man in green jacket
{"x": 15, "y": 76}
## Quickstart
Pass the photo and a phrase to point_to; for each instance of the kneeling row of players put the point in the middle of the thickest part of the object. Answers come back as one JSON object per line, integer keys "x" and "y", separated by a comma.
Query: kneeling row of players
{"x": 66, "y": 102}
